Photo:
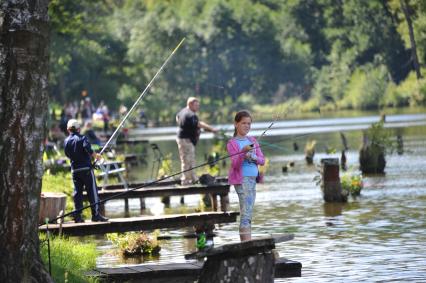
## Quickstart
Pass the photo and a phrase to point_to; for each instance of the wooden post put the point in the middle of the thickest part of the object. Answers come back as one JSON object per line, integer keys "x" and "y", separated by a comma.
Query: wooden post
{"x": 102, "y": 208}
{"x": 224, "y": 202}
{"x": 166, "y": 201}
{"x": 60, "y": 221}
{"x": 213, "y": 202}
{"x": 330, "y": 181}
{"x": 143, "y": 204}
{"x": 50, "y": 205}
{"x": 310, "y": 152}
{"x": 126, "y": 208}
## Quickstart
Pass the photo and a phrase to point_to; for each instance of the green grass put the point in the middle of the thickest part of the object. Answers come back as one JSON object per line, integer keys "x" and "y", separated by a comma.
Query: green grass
{"x": 69, "y": 259}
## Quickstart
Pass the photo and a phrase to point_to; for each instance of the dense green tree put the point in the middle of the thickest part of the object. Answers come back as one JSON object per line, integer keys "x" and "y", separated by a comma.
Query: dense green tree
{"x": 83, "y": 55}
{"x": 237, "y": 53}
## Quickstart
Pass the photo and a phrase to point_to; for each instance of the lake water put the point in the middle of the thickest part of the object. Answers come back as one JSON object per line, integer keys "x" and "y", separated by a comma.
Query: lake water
{"x": 378, "y": 237}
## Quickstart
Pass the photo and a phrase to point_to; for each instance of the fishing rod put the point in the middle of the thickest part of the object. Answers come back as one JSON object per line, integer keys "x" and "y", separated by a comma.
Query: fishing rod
{"x": 210, "y": 163}
{"x": 140, "y": 97}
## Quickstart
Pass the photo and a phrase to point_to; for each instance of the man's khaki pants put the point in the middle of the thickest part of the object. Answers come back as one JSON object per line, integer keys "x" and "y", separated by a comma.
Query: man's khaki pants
{"x": 187, "y": 160}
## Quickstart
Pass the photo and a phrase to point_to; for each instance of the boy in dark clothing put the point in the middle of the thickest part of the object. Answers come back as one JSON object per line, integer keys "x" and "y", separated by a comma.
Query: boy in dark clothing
{"x": 79, "y": 151}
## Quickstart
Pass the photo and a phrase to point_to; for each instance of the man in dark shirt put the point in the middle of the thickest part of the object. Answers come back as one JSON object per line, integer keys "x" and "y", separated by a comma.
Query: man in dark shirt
{"x": 79, "y": 151}
{"x": 187, "y": 137}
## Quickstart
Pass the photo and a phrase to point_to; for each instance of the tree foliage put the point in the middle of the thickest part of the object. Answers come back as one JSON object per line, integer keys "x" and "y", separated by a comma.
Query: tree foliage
{"x": 236, "y": 51}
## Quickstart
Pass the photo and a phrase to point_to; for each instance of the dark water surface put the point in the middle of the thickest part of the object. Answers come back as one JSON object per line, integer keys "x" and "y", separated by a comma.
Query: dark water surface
{"x": 377, "y": 237}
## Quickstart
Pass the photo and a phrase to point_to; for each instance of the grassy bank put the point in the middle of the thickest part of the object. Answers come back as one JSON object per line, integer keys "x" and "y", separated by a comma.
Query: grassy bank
{"x": 69, "y": 259}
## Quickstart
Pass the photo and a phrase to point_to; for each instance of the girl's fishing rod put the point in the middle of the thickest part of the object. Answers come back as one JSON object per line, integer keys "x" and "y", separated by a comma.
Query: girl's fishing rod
{"x": 153, "y": 182}
{"x": 140, "y": 97}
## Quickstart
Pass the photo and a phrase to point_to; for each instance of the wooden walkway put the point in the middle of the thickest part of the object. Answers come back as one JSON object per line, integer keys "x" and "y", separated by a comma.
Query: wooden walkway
{"x": 216, "y": 189}
{"x": 178, "y": 272}
{"x": 167, "y": 182}
{"x": 142, "y": 223}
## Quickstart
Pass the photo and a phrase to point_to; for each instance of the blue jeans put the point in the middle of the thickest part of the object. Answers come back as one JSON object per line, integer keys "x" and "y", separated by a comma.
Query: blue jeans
{"x": 246, "y": 195}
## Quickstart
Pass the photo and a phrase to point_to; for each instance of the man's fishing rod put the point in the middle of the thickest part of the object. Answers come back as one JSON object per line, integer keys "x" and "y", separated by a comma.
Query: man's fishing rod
{"x": 140, "y": 97}
{"x": 154, "y": 182}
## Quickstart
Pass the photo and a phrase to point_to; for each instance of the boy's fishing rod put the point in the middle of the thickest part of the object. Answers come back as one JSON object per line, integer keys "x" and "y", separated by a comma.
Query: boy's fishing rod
{"x": 152, "y": 183}
{"x": 140, "y": 97}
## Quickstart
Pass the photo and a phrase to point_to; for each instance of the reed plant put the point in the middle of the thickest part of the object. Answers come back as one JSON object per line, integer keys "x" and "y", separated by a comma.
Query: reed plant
{"x": 69, "y": 258}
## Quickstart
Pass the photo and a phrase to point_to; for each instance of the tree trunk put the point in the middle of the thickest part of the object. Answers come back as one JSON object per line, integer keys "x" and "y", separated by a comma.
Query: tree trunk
{"x": 23, "y": 86}
{"x": 414, "y": 57}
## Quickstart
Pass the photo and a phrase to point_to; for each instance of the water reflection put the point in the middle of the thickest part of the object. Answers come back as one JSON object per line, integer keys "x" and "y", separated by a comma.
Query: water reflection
{"x": 377, "y": 237}
{"x": 333, "y": 209}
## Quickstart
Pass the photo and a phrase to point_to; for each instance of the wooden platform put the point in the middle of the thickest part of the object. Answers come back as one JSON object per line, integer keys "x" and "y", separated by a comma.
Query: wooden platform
{"x": 178, "y": 272}
{"x": 142, "y": 223}
{"x": 164, "y": 183}
{"x": 216, "y": 189}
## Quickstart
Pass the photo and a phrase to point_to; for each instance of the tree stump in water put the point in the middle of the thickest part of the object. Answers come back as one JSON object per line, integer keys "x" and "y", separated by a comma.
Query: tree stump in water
{"x": 310, "y": 152}
{"x": 372, "y": 158}
{"x": 51, "y": 205}
{"x": 330, "y": 181}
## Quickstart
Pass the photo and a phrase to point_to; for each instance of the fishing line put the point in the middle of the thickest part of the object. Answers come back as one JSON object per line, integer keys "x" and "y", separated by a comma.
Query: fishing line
{"x": 140, "y": 97}
{"x": 210, "y": 163}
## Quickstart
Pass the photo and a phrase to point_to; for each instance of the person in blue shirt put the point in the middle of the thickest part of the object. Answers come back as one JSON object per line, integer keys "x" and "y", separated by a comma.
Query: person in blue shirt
{"x": 79, "y": 150}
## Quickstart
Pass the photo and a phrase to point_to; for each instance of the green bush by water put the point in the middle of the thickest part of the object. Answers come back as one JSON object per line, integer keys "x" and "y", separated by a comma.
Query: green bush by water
{"x": 135, "y": 243}
{"x": 352, "y": 183}
{"x": 69, "y": 259}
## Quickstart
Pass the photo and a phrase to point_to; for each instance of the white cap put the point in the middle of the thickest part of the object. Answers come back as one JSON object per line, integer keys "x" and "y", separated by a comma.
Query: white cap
{"x": 191, "y": 99}
{"x": 73, "y": 123}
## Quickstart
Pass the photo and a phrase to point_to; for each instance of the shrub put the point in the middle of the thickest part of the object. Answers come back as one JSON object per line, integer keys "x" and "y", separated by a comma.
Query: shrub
{"x": 366, "y": 88}
{"x": 409, "y": 92}
{"x": 135, "y": 243}
{"x": 352, "y": 183}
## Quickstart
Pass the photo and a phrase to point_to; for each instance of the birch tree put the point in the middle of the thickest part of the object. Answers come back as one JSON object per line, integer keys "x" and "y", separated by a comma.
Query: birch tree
{"x": 23, "y": 103}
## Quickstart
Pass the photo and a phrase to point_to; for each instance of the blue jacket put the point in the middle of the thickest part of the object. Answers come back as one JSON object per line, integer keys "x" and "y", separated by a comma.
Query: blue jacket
{"x": 79, "y": 150}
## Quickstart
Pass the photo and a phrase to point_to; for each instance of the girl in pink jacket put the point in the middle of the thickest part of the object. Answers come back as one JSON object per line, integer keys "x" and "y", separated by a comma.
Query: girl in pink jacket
{"x": 246, "y": 155}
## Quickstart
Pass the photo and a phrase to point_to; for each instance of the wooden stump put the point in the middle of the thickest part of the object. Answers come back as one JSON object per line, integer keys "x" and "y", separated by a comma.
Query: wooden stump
{"x": 371, "y": 157}
{"x": 51, "y": 205}
{"x": 310, "y": 152}
{"x": 330, "y": 184}
{"x": 224, "y": 202}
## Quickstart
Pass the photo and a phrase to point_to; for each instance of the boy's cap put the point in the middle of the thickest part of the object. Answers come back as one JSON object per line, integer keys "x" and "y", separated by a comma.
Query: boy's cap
{"x": 73, "y": 123}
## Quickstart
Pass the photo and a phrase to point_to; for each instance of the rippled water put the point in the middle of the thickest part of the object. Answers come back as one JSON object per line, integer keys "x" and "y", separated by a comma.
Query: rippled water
{"x": 377, "y": 237}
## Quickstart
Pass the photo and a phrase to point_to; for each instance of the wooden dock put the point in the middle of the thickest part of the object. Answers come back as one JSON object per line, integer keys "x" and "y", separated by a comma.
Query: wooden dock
{"x": 216, "y": 189}
{"x": 142, "y": 223}
{"x": 164, "y": 183}
{"x": 178, "y": 272}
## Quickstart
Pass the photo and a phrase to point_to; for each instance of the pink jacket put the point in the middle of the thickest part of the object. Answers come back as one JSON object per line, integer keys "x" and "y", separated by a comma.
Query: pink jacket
{"x": 235, "y": 175}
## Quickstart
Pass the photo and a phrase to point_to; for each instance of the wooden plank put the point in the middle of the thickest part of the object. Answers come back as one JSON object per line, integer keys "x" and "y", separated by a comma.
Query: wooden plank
{"x": 284, "y": 268}
{"x": 142, "y": 223}
{"x": 167, "y": 182}
{"x": 112, "y": 271}
{"x": 141, "y": 184}
{"x": 254, "y": 246}
{"x": 218, "y": 189}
